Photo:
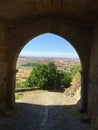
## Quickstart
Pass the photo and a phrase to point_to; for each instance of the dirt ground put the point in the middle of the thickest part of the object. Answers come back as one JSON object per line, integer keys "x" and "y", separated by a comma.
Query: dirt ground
{"x": 45, "y": 110}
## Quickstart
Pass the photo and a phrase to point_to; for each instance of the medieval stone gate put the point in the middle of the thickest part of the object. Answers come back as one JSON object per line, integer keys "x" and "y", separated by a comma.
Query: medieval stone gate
{"x": 76, "y": 21}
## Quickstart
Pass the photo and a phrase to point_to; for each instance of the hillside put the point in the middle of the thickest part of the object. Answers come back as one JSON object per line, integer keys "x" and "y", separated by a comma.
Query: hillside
{"x": 24, "y": 65}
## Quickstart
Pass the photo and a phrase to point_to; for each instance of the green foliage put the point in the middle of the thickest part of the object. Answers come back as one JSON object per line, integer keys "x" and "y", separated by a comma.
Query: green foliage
{"x": 47, "y": 76}
{"x": 29, "y": 64}
{"x": 51, "y": 74}
{"x": 66, "y": 80}
{"x": 37, "y": 77}
{"x": 18, "y": 95}
{"x": 75, "y": 69}
{"x": 21, "y": 85}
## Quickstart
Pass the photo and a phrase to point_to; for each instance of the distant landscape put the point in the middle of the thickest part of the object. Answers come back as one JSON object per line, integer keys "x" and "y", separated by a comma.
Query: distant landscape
{"x": 25, "y": 65}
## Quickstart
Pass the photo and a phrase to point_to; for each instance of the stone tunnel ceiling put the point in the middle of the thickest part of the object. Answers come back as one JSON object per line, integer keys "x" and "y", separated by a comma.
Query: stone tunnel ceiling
{"x": 24, "y": 10}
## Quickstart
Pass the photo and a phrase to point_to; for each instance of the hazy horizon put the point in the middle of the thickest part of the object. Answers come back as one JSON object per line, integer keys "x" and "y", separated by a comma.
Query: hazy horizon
{"x": 47, "y": 57}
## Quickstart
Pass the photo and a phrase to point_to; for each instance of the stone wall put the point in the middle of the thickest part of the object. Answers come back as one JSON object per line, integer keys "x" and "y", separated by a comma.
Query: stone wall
{"x": 93, "y": 79}
{"x": 13, "y": 38}
{"x": 3, "y": 68}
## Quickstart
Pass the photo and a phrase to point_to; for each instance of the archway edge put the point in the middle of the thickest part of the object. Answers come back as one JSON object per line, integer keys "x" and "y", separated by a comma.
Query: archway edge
{"x": 20, "y": 34}
{"x": 68, "y": 30}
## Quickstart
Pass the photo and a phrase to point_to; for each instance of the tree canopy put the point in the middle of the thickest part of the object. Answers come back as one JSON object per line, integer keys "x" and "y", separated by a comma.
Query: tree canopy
{"x": 47, "y": 76}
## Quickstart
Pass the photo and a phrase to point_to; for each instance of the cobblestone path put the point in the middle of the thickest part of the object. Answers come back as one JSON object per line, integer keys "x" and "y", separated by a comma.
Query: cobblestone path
{"x": 43, "y": 110}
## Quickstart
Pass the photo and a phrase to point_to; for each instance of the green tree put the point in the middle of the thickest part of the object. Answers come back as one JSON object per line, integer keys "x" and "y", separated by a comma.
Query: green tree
{"x": 66, "y": 79}
{"x": 47, "y": 76}
{"x": 38, "y": 76}
{"x": 51, "y": 74}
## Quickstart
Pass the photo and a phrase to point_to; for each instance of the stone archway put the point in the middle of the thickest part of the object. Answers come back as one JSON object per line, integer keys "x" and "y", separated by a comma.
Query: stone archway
{"x": 76, "y": 21}
{"x": 20, "y": 34}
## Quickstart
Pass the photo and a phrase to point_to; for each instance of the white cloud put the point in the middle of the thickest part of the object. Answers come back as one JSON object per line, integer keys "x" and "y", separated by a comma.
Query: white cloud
{"x": 49, "y": 54}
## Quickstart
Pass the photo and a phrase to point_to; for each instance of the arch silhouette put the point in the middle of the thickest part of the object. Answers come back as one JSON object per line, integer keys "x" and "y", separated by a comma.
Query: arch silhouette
{"x": 42, "y": 26}
{"x": 71, "y": 32}
{"x": 76, "y": 21}
{"x": 55, "y": 37}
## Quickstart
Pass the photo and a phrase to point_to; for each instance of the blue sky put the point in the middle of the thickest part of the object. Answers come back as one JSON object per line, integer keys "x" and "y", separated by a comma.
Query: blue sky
{"x": 49, "y": 45}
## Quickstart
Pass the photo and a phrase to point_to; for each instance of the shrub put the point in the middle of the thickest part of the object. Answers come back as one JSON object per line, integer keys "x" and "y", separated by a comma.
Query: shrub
{"x": 21, "y": 85}
{"x": 47, "y": 76}
{"x": 66, "y": 80}
{"x": 75, "y": 69}
{"x": 37, "y": 77}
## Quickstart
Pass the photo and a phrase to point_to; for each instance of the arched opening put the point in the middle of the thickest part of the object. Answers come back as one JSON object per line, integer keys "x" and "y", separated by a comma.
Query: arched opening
{"x": 47, "y": 46}
{"x": 66, "y": 31}
{"x": 67, "y": 19}
{"x": 24, "y": 33}
{"x": 65, "y": 60}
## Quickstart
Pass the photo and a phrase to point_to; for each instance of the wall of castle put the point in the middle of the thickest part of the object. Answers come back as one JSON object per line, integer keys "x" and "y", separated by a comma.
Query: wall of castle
{"x": 3, "y": 67}
{"x": 93, "y": 79}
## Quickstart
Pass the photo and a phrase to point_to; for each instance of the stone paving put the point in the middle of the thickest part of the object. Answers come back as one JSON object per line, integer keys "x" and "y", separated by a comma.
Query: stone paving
{"x": 44, "y": 111}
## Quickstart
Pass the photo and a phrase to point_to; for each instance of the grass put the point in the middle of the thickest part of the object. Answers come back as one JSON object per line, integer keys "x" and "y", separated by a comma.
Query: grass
{"x": 21, "y": 94}
{"x": 18, "y": 95}
{"x": 21, "y": 85}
